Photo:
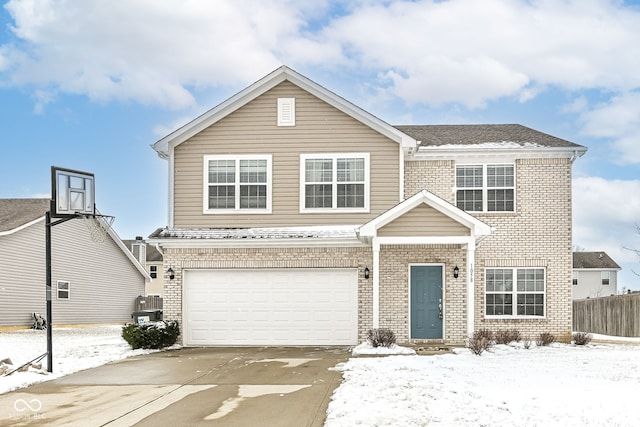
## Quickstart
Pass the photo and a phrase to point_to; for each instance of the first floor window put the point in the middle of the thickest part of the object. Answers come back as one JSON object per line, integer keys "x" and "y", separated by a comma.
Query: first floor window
{"x": 237, "y": 184}
{"x": 63, "y": 289}
{"x": 515, "y": 292}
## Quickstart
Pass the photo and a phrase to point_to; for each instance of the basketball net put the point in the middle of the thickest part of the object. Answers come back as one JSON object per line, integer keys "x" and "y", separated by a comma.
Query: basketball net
{"x": 98, "y": 226}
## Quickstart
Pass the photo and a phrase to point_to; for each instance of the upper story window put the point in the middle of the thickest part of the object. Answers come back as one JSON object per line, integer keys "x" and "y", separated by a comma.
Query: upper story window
{"x": 605, "y": 276}
{"x": 153, "y": 271}
{"x": 334, "y": 182}
{"x": 575, "y": 278}
{"x": 485, "y": 188}
{"x": 515, "y": 292}
{"x": 237, "y": 184}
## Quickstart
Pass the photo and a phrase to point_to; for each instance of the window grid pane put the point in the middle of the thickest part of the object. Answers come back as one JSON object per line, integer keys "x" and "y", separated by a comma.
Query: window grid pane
{"x": 318, "y": 196}
{"x": 469, "y": 200}
{"x": 350, "y": 195}
{"x": 253, "y": 197}
{"x": 500, "y": 200}
{"x": 253, "y": 171}
{"x": 469, "y": 176}
{"x": 318, "y": 170}
{"x": 222, "y": 171}
{"x": 222, "y": 197}
{"x": 350, "y": 170}
{"x": 499, "y": 176}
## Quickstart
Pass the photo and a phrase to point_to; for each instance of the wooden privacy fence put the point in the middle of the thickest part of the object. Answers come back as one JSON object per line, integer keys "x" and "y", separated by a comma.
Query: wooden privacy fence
{"x": 151, "y": 302}
{"x": 617, "y": 315}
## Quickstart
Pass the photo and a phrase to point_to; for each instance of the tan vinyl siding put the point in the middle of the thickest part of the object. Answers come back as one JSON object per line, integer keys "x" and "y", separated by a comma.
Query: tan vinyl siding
{"x": 103, "y": 281}
{"x": 252, "y": 129}
{"x": 423, "y": 220}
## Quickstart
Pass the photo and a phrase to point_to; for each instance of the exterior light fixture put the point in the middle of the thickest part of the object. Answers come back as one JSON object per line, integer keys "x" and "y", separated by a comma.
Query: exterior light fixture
{"x": 171, "y": 273}
{"x": 366, "y": 272}
{"x": 456, "y": 271}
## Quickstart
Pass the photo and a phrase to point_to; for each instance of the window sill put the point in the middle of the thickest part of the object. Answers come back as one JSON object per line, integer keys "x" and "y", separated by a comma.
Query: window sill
{"x": 333, "y": 211}
{"x": 237, "y": 212}
{"x": 507, "y": 317}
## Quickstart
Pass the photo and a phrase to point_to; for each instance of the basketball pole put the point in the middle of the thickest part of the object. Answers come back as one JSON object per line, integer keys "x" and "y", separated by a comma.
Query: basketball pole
{"x": 48, "y": 224}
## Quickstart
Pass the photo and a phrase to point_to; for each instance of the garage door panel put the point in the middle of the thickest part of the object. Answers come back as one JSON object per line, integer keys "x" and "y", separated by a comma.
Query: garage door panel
{"x": 270, "y": 307}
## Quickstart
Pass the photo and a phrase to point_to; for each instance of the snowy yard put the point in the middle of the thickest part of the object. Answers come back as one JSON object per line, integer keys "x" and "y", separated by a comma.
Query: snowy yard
{"x": 558, "y": 385}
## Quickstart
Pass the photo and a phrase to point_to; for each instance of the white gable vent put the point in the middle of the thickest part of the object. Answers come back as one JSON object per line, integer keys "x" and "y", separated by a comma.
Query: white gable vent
{"x": 286, "y": 111}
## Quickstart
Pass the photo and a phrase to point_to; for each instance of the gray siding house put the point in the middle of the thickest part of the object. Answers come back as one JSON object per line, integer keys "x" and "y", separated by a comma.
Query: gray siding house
{"x": 298, "y": 218}
{"x": 595, "y": 274}
{"x": 92, "y": 283}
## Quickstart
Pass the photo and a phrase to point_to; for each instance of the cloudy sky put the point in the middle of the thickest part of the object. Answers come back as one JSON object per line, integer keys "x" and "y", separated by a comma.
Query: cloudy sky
{"x": 90, "y": 84}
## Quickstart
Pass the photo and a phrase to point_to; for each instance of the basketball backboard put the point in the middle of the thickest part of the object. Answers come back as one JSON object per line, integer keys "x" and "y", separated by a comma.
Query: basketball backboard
{"x": 72, "y": 193}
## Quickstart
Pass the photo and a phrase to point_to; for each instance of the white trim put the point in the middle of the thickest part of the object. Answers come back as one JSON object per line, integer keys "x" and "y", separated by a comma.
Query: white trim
{"x": 334, "y": 181}
{"x": 477, "y": 227}
{"x": 471, "y": 259}
{"x": 237, "y": 210}
{"x": 21, "y": 227}
{"x": 444, "y": 299}
{"x": 402, "y": 177}
{"x": 376, "y": 285}
{"x": 467, "y": 153}
{"x": 257, "y": 243}
{"x": 170, "y": 192}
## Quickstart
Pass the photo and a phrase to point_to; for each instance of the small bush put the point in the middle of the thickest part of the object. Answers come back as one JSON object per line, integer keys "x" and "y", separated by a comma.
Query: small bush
{"x": 151, "y": 335}
{"x": 545, "y": 339}
{"x": 527, "y": 344}
{"x": 506, "y": 337}
{"x": 582, "y": 338}
{"x": 480, "y": 341}
{"x": 381, "y": 337}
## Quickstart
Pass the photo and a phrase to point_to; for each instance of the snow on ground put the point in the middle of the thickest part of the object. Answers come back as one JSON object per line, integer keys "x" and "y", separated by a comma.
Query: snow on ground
{"x": 74, "y": 349}
{"x": 559, "y": 385}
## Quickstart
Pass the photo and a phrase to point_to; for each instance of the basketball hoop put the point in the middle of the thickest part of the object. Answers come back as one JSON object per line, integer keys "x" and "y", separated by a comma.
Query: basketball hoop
{"x": 98, "y": 226}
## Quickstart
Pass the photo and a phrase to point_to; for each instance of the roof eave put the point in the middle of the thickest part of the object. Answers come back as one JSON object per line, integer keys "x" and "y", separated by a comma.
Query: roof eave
{"x": 438, "y": 152}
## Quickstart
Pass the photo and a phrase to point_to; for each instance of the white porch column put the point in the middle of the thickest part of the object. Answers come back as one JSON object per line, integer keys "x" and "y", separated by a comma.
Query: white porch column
{"x": 470, "y": 286}
{"x": 376, "y": 283}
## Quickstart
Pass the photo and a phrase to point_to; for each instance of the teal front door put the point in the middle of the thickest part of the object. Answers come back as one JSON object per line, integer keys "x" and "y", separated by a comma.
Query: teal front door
{"x": 426, "y": 302}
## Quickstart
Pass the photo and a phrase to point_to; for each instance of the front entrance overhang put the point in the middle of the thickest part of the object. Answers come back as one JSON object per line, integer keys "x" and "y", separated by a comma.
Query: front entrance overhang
{"x": 468, "y": 236}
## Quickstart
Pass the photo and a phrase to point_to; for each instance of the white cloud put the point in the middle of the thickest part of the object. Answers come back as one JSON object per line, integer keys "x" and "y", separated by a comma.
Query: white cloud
{"x": 464, "y": 51}
{"x": 604, "y": 214}
{"x": 618, "y": 120}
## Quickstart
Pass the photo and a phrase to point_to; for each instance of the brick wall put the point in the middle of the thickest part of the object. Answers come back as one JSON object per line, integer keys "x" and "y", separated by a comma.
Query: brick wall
{"x": 537, "y": 234}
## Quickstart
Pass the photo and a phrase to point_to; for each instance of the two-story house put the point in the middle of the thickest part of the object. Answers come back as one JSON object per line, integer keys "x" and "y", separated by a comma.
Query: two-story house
{"x": 595, "y": 274}
{"x": 298, "y": 218}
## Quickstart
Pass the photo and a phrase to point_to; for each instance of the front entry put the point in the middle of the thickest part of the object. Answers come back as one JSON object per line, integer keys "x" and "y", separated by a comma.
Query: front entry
{"x": 426, "y": 302}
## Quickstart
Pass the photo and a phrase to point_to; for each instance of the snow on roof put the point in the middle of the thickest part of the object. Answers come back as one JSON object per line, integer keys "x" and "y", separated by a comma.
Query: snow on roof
{"x": 310, "y": 232}
{"x": 489, "y": 145}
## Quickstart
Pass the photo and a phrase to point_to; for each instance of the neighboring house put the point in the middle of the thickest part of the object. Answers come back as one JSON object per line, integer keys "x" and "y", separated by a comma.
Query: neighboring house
{"x": 149, "y": 256}
{"x": 297, "y": 218}
{"x": 595, "y": 274}
{"x": 91, "y": 282}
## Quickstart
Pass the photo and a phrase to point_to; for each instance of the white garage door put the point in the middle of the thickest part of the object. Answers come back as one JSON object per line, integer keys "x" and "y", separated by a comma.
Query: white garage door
{"x": 270, "y": 307}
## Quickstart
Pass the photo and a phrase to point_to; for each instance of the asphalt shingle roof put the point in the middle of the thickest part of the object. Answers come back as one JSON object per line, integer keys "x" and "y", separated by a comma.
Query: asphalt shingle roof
{"x": 597, "y": 260}
{"x": 438, "y": 135}
{"x": 17, "y": 212}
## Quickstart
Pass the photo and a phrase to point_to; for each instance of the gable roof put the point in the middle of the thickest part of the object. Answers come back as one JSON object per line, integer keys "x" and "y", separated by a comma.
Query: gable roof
{"x": 17, "y": 213}
{"x": 163, "y": 146}
{"x": 596, "y": 260}
{"x": 477, "y": 227}
{"x": 509, "y": 135}
{"x": 153, "y": 255}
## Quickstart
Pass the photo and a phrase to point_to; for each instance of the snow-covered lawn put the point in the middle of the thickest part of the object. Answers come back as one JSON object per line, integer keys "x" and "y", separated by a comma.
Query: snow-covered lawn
{"x": 74, "y": 349}
{"x": 559, "y": 385}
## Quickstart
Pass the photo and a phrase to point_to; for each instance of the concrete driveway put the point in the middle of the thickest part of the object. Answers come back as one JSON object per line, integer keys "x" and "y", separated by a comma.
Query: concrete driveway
{"x": 188, "y": 387}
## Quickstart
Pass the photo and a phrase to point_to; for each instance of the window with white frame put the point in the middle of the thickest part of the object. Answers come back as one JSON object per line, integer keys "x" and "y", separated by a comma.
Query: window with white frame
{"x": 515, "y": 292}
{"x": 337, "y": 182}
{"x": 237, "y": 184}
{"x": 575, "y": 278}
{"x": 64, "y": 289}
{"x": 153, "y": 271}
{"x": 605, "y": 276}
{"x": 485, "y": 188}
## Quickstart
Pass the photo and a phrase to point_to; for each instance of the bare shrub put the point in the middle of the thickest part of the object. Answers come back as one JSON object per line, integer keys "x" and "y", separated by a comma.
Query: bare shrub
{"x": 381, "y": 337}
{"x": 545, "y": 339}
{"x": 480, "y": 341}
{"x": 527, "y": 344}
{"x": 582, "y": 338}
{"x": 506, "y": 337}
